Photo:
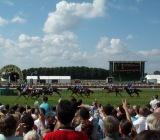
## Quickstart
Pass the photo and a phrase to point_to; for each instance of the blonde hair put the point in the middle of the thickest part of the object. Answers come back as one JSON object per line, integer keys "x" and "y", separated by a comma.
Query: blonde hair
{"x": 111, "y": 126}
{"x": 153, "y": 121}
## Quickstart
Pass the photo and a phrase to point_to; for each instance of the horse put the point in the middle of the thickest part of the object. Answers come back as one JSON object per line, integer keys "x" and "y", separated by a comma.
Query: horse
{"x": 35, "y": 93}
{"x": 132, "y": 91}
{"x": 74, "y": 90}
{"x": 23, "y": 93}
{"x": 113, "y": 89}
{"x": 86, "y": 92}
{"x": 81, "y": 92}
{"x": 51, "y": 90}
{"x": 28, "y": 93}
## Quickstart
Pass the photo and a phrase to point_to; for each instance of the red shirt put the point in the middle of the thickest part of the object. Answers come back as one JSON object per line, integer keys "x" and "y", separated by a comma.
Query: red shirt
{"x": 65, "y": 134}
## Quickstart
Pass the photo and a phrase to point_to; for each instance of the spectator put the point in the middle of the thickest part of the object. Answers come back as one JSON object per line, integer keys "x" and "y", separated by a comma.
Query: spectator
{"x": 8, "y": 126}
{"x": 111, "y": 126}
{"x": 65, "y": 114}
{"x": 45, "y": 104}
{"x": 140, "y": 123}
{"x": 125, "y": 128}
{"x": 154, "y": 102}
{"x": 148, "y": 135}
{"x": 41, "y": 122}
{"x": 26, "y": 128}
{"x": 153, "y": 121}
{"x": 85, "y": 125}
{"x": 106, "y": 111}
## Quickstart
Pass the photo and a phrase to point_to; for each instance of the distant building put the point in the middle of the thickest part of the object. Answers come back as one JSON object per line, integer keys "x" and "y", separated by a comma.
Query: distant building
{"x": 49, "y": 79}
{"x": 153, "y": 79}
{"x": 32, "y": 79}
{"x": 127, "y": 70}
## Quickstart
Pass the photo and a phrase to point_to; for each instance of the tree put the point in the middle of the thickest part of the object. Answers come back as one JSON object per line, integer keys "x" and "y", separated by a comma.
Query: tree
{"x": 157, "y": 72}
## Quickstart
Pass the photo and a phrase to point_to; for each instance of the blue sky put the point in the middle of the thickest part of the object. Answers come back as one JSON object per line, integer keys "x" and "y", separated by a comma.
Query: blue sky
{"x": 50, "y": 33}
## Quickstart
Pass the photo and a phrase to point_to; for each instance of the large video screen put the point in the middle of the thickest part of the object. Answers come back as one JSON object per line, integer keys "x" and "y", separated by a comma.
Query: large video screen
{"x": 123, "y": 67}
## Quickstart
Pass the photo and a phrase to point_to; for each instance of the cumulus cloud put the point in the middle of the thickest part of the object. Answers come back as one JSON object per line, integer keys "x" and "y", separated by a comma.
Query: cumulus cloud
{"x": 67, "y": 15}
{"x": 111, "y": 46}
{"x": 18, "y": 19}
{"x": 9, "y": 3}
{"x": 49, "y": 50}
{"x": 3, "y": 21}
{"x": 59, "y": 45}
{"x": 150, "y": 53}
{"x": 129, "y": 37}
{"x": 63, "y": 50}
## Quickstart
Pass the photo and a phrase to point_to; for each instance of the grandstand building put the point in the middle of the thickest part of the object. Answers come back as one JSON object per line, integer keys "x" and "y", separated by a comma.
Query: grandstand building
{"x": 127, "y": 70}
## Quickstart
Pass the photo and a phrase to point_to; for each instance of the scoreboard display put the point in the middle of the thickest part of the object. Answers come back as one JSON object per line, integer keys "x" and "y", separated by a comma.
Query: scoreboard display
{"x": 124, "y": 67}
{"x": 127, "y": 70}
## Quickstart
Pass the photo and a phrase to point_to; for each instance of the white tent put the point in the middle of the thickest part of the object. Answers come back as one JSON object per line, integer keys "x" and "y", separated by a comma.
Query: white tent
{"x": 60, "y": 79}
{"x": 153, "y": 79}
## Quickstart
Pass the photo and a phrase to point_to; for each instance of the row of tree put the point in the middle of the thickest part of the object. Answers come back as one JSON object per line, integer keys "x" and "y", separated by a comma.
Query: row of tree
{"x": 74, "y": 72}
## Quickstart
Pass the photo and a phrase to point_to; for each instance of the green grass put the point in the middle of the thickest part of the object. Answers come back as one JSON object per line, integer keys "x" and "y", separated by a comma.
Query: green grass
{"x": 101, "y": 96}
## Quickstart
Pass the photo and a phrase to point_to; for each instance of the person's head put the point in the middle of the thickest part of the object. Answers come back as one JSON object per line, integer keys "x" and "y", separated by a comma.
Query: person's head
{"x": 28, "y": 122}
{"x": 107, "y": 109}
{"x": 156, "y": 96}
{"x": 111, "y": 126}
{"x": 65, "y": 112}
{"x": 148, "y": 135}
{"x": 132, "y": 112}
{"x": 84, "y": 113}
{"x": 45, "y": 99}
{"x": 8, "y": 125}
{"x": 153, "y": 121}
{"x": 143, "y": 111}
{"x": 125, "y": 127}
{"x": 21, "y": 109}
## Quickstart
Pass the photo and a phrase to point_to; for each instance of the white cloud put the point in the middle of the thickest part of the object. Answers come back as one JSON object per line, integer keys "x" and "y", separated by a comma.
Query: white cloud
{"x": 67, "y": 15}
{"x": 18, "y": 19}
{"x": 3, "y": 21}
{"x": 111, "y": 46}
{"x": 130, "y": 36}
{"x": 63, "y": 50}
{"x": 9, "y": 2}
{"x": 150, "y": 53}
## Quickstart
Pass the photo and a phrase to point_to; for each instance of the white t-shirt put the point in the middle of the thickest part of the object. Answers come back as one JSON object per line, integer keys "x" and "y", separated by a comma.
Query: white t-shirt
{"x": 140, "y": 124}
{"x": 31, "y": 135}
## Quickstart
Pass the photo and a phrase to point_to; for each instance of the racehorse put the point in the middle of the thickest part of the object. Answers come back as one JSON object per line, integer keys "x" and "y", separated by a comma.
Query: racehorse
{"x": 25, "y": 94}
{"x": 132, "y": 91}
{"x": 86, "y": 92}
{"x": 29, "y": 92}
{"x": 51, "y": 90}
{"x": 81, "y": 92}
{"x": 113, "y": 89}
{"x": 74, "y": 90}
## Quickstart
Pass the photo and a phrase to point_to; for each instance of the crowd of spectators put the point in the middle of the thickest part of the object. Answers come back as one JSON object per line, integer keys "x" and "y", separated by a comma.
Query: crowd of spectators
{"x": 73, "y": 120}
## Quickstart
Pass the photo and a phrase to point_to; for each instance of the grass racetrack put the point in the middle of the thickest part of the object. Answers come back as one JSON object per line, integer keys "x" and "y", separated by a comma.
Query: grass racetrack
{"x": 102, "y": 96}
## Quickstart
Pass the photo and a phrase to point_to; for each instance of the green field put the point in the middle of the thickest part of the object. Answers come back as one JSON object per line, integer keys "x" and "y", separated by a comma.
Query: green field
{"x": 101, "y": 96}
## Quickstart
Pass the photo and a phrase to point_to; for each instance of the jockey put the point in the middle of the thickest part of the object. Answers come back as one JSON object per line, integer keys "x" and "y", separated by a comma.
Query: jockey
{"x": 130, "y": 87}
{"x": 81, "y": 88}
{"x": 25, "y": 88}
{"x": 49, "y": 87}
{"x": 111, "y": 86}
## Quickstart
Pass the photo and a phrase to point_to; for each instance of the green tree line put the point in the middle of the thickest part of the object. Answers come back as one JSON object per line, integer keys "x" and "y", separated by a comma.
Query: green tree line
{"x": 74, "y": 72}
